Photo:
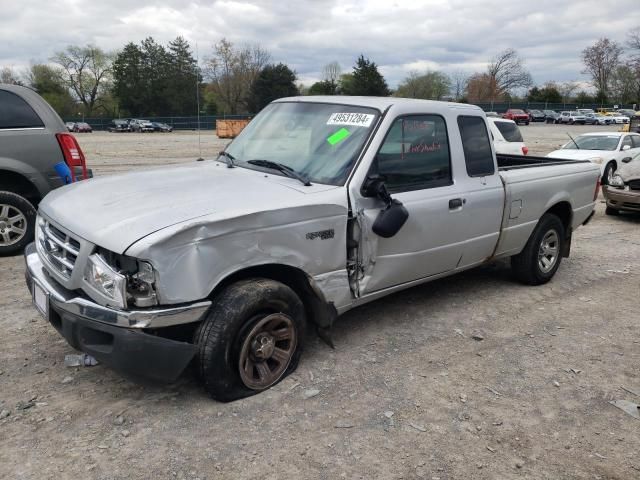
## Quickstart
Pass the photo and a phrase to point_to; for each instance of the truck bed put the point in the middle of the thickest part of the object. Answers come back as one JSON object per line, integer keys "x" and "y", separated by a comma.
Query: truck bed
{"x": 512, "y": 162}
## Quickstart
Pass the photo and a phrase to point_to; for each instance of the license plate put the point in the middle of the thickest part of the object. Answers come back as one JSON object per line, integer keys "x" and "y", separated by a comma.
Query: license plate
{"x": 41, "y": 300}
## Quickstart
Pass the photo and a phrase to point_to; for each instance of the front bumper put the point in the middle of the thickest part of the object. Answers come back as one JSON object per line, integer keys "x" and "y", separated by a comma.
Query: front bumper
{"x": 112, "y": 336}
{"x": 622, "y": 199}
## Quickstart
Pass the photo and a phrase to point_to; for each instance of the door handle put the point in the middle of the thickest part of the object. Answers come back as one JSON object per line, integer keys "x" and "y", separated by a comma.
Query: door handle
{"x": 456, "y": 203}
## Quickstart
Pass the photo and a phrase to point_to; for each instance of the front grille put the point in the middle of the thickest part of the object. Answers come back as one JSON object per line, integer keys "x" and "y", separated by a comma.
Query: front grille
{"x": 59, "y": 249}
{"x": 634, "y": 184}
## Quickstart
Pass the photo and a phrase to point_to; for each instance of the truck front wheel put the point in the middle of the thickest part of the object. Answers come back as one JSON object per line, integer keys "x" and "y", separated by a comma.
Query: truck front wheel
{"x": 541, "y": 256}
{"x": 251, "y": 338}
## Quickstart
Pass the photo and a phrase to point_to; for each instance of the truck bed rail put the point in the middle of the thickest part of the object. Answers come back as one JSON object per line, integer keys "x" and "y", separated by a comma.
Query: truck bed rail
{"x": 513, "y": 162}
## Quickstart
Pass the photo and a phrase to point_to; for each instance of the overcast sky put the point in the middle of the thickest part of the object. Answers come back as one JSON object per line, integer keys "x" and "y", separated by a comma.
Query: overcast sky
{"x": 399, "y": 35}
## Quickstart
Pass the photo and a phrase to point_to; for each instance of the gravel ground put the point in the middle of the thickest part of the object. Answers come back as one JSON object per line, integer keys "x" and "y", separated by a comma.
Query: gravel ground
{"x": 407, "y": 393}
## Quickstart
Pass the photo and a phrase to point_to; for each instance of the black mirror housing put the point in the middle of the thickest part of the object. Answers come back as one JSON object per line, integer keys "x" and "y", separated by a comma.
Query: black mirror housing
{"x": 390, "y": 219}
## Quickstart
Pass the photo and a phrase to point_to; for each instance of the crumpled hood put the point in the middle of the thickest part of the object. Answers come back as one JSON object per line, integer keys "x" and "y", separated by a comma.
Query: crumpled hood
{"x": 581, "y": 154}
{"x": 116, "y": 211}
{"x": 630, "y": 171}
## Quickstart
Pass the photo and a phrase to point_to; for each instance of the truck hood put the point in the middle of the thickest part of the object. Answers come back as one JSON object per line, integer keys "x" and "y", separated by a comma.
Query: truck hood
{"x": 116, "y": 211}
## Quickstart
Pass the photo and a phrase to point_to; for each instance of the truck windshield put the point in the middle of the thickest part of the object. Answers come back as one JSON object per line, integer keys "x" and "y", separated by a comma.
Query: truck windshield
{"x": 319, "y": 141}
{"x": 593, "y": 142}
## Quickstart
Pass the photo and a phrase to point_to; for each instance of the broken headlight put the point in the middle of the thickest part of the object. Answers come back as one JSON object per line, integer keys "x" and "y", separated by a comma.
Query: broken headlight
{"x": 105, "y": 280}
{"x": 125, "y": 280}
{"x": 616, "y": 181}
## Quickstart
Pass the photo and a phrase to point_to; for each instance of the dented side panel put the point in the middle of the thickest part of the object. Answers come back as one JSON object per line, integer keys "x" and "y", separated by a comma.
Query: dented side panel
{"x": 191, "y": 259}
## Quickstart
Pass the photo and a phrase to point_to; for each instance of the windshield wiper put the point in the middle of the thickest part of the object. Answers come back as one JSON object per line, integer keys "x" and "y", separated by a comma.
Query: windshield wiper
{"x": 288, "y": 171}
{"x": 574, "y": 142}
{"x": 229, "y": 159}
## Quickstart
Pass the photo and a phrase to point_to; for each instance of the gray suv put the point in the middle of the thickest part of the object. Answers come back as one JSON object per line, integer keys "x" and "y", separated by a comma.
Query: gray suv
{"x": 37, "y": 154}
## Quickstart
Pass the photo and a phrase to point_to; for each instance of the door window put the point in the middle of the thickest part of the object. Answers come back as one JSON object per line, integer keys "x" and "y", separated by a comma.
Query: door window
{"x": 415, "y": 154}
{"x": 16, "y": 113}
{"x": 636, "y": 140}
{"x": 626, "y": 142}
{"x": 477, "y": 146}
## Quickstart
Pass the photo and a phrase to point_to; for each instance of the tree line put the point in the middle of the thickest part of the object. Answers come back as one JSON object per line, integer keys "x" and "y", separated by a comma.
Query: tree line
{"x": 151, "y": 79}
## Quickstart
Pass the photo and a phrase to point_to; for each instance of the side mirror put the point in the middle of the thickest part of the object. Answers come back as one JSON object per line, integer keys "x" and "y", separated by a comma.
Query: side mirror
{"x": 393, "y": 216}
{"x": 626, "y": 159}
{"x": 626, "y": 147}
{"x": 390, "y": 219}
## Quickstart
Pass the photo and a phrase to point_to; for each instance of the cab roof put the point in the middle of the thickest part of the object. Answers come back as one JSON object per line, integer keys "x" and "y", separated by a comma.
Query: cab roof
{"x": 379, "y": 103}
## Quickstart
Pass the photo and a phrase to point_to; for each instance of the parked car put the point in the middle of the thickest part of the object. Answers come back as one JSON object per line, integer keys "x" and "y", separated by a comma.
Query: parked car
{"x": 70, "y": 126}
{"x": 161, "y": 127}
{"x": 138, "y": 125}
{"x": 37, "y": 155}
{"x": 536, "y": 116}
{"x": 82, "y": 127}
{"x": 618, "y": 118}
{"x": 627, "y": 112}
{"x": 585, "y": 111}
{"x": 606, "y": 149}
{"x": 623, "y": 191}
{"x": 633, "y": 125}
{"x": 551, "y": 116}
{"x": 572, "y": 117}
{"x": 517, "y": 115}
{"x": 119, "y": 125}
{"x": 168, "y": 272}
{"x": 506, "y": 136}
{"x": 596, "y": 119}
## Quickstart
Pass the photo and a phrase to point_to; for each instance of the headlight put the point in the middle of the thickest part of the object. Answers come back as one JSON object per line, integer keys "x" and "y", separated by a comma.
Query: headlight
{"x": 106, "y": 281}
{"x": 617, "y": 181}
{"x": 597, "y": 160}
{"x": 124, "y": 280}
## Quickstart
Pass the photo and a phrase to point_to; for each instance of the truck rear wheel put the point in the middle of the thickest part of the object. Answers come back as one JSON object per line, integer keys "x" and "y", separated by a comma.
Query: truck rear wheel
{"x": 541, "y": 256}
{"x": 251, "y": 338}
{"x": 17, "y": 223}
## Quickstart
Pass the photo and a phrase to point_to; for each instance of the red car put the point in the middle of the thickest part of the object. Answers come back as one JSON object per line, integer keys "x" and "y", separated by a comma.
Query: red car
{"x": 82, "y": 127}
{"x": 517, "y": 115}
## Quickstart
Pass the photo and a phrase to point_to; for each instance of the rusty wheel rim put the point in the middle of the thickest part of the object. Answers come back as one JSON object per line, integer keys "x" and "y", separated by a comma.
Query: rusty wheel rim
{"x": 267, "y": 351}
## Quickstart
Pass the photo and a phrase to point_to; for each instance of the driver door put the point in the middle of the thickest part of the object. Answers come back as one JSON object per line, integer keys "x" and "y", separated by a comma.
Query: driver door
{"x": 415, "y": 160}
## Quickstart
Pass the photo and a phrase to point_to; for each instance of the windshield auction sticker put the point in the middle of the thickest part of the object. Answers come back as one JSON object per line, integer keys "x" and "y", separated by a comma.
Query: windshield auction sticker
{"x": 351, "y": 119}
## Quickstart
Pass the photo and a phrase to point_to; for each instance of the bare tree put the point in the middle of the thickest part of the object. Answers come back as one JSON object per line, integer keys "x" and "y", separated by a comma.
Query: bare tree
{"x": 331, "y": 72}
{"x": 600, "y": 61}
{"x": 232, "y": 71}
{"x": 459, "y": 82}
{"x": 506, "y": 72}
{"x": 87, "y": 70}
{"x": 7, "y": 75}
{"x": 567, "y": 89}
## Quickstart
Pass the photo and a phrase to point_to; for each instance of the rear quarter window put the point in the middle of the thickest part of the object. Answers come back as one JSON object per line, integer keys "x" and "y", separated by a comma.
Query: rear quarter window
{"x": 16, "y": 113}
{"x": 509, "y": 131}
{"x": 476, "y": 145}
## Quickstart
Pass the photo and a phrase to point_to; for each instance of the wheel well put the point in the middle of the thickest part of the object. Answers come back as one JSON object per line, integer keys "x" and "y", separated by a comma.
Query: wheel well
{"x": 317, "y": 309}
{"x": 563, "y": 211}
{"x": 17, "y": 183}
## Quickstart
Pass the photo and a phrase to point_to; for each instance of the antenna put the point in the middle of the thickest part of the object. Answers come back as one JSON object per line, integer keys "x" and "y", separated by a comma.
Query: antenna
{"x": 200, "y": 159}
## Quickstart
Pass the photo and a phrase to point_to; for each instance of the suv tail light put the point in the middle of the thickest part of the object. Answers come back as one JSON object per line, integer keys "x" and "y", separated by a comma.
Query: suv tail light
{"x": 525, "y": 149}
{"x": 595, "y": 194}
{"x": 73, "y": 155}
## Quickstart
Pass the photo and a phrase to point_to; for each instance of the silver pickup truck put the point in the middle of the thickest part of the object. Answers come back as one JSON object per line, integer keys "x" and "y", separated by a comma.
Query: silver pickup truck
{"x": 321, "y": 204}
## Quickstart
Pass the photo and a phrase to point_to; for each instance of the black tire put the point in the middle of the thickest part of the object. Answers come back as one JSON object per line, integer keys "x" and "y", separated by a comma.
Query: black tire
{"x": 608, "y": 170}
{"x": 526, "y": 265}
{"x": 526, "y": 123}
{"x": 235, "y": 313}
{"x": 611, "y": 211}
{"x": 16, "y": 205}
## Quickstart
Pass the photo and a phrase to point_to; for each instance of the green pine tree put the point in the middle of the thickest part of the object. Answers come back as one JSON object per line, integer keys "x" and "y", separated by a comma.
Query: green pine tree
{"x": 366, "y": 80}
